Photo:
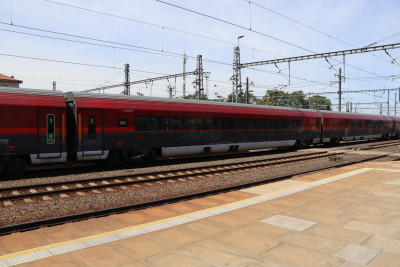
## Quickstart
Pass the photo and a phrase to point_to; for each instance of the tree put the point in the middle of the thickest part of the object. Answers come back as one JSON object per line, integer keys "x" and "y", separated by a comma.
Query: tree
{"x": 320, "y": 103}
{"x": 251, "y": 99}
{"x": 280, "y": 98}
{"x": 196, "y": 97}
{"x": 295, "y": 99}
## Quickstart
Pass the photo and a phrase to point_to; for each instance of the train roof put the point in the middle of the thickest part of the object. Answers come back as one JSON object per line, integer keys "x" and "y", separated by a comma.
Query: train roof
{"x": 91, "y": 100}
{"x": 31, "y": 97}
{"x": 353, "y": 116}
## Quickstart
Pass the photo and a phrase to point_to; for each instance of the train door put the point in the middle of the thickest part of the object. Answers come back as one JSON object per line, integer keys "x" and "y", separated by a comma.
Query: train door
{"x": 92, "y": 134}
{"x": 51, "y": 135}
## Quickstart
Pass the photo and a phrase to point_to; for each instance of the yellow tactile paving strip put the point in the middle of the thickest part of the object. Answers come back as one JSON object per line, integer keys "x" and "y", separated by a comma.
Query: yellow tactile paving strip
{"x": 303, "y": 189}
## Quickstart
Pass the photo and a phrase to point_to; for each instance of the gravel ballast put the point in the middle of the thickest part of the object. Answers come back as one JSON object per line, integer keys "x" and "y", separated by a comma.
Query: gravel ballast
{"x": 74, "y": 204}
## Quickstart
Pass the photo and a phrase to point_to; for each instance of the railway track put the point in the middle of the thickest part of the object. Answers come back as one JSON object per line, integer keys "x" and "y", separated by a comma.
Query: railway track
{"x": 104, "y": 212}
{"x": 40, "y": 192}
{"x": 369, "y": 146}
{"x": 377, "y": 146}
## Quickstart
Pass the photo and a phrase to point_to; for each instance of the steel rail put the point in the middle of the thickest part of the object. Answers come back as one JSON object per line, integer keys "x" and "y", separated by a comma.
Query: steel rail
{"x": 178, "y": 175}
{"x": 100, "y": 213}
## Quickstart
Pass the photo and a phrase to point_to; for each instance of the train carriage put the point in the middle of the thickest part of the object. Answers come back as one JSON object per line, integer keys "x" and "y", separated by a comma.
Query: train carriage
{"x": 32, "y": 127}
{"x": 395, "y": 127}
{"x": 129, "y": 126}
{"x": 350, "y": 126}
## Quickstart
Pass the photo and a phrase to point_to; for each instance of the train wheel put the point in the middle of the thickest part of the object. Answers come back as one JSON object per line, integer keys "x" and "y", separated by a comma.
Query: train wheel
{"x": 112, "y": 160}
{"x": 15, "y": 165}
{"x": 1, "y": 165}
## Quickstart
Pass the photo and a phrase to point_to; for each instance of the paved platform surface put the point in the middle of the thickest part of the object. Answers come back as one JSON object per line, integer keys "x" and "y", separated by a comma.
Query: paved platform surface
{"x": 344, "y": 217}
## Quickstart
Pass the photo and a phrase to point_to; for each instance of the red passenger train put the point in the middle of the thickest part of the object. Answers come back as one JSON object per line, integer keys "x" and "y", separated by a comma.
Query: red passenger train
{"x": 43, "y": 127}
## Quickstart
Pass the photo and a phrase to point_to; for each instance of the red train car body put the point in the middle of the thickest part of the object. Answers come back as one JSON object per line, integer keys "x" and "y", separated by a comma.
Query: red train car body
{"x": 32, "y": 127}
{"x": 40, "y": 127}
{"x": 132, "y": 126}
{"x": 339, "y": 126}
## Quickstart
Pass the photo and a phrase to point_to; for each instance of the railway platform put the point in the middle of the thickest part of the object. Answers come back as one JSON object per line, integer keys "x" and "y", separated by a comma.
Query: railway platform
{"x": 342, "y": 217}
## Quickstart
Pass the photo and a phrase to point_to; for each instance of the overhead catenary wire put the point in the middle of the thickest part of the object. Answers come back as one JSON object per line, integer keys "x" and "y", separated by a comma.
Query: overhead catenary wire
{"x": 164, "y": 27}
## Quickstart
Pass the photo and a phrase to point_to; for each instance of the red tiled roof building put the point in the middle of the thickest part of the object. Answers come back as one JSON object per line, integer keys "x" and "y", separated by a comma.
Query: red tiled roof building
{"x": 9, "y": 81}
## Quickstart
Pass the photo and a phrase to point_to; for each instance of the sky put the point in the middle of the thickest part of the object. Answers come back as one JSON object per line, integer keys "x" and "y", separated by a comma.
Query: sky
{"x": 85, "y": 44}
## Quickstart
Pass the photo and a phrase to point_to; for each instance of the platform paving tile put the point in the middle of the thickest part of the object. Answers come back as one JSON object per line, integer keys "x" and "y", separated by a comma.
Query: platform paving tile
{"x": 289, "y": 222}
{"x": 220, "y": 253}
{"x": 246, "y": 239}
{"x": 132, "y": 218}
{"x": 366, "y": 217}
{"x": 264, "y": 229}
{"x": 272, "y": 187}
{"x": 393, "y": 182}
{"x": 177, "y": 236}
{"x": 287, "y": 203}
{"x": 62, "y": 260}
{"x": 379, "y": 202}
{"x": 338, "y": 233}
{"x": 383, "y": 243}
{"x": 159, "y": 212}
{"x": 298, "y": 256}
{"x": 175, "y": 258}
{"x": 182, "y": 207}
{"x": 205, "y": 227}
{"x": 266, "y": 207}
{"x": 374, "y": 229}
{"x": 140, "y": 247}
{"x": 385, "y": 259}
{"x": 357, "y": 253}
{"x": 266, "y": 262}
{"x": 134, "y": 264}
{"x": 313, "y": 242}
{"x": 315, "y": 207}
{"x": 102, "y": 255}
{"x": 60, "y": 233}
{"x": 98, "y": 225}
{"x": 227, "y": 220}
{"x": 206, "y": 202}
{"x": 390, "y": 192}
{"x": 251, "y": 214}
{"x": 22, "y": 241}
{"x": 317, "y": 217}
{"x": 231, "y": 197}
{"x": 339, "y": 201}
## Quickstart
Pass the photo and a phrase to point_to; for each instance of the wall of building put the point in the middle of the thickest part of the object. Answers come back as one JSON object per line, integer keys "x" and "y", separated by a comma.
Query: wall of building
{"x": 9, "y": 84}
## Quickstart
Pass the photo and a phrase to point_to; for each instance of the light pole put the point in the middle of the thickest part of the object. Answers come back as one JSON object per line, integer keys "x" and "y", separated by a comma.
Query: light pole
{"x": 239, "y": 37}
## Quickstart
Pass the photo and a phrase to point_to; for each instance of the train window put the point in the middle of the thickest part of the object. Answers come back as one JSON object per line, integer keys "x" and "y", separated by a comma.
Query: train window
{"x": 92, "y": 127}
{"x": 145, "y": 123}
{"x": 297, "y": 124}
{"x": 192, "y": 123}
{"x": 229, "y": 124}
{"x": 207, "y": 124}
{"x": 356, "y": 124}
{"x": 174, "y": 123}
{"x": 216, "y": 123}
{"x": 163, "y": 123}
{"x": 246, "y": 124}
{"x": 123, "y": 123}
{"x": 274, "y": 124}
{"x": 51, "y": 128}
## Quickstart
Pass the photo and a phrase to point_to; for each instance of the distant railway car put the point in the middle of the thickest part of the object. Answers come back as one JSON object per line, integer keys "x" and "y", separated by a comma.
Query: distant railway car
{"x": 395, "y": 127}
{"x": 349, "y": 126}
{"x": 128, "y": 126}
{"x": 32, "y": 127}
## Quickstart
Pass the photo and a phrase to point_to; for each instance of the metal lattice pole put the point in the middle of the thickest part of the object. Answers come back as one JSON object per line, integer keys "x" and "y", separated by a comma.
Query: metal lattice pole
{"x": 127, "y": 90}
{"x": 199, "y": 77}
{"x": 237, "y": 76}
